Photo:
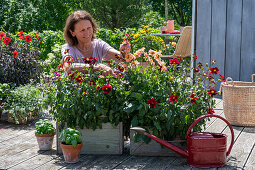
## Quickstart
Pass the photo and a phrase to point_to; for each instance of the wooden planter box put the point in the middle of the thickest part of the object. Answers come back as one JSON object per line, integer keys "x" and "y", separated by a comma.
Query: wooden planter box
{"x": 151, "y": 149}
{"x": 108, "y": 140}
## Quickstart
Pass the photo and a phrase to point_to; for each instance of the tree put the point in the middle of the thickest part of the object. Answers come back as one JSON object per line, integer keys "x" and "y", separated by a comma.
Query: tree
{"x": 114, "y": 13}
{"x": 179, "y": 10}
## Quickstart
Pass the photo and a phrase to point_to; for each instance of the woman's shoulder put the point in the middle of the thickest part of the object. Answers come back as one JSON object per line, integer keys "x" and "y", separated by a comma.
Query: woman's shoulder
{"x": 67, "y": 47}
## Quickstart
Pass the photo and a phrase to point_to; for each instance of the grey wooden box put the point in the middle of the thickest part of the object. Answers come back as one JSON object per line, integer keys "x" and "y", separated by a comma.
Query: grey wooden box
{"x": 108, "y": 140}
{"x": 151, "y": 149}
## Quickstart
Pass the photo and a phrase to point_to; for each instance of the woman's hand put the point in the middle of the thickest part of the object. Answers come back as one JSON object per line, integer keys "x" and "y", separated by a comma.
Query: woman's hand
{"x": 105, "y": 70}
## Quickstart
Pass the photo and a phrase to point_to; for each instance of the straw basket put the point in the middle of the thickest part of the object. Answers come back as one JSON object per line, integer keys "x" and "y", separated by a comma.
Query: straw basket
{"x": 239, "y": 102}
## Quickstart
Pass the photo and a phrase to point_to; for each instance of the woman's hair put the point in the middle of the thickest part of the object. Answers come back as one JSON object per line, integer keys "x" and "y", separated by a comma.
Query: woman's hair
{"x": 72, "y": 20}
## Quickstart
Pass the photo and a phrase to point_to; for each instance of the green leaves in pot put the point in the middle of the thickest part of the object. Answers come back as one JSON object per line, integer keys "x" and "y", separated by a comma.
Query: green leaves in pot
{"x": 44, "y": 127}
{"x": 70, "y": 136}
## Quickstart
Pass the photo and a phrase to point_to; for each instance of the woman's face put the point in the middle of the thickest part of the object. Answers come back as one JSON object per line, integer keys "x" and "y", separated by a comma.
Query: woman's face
{"x": 83, "y": 31}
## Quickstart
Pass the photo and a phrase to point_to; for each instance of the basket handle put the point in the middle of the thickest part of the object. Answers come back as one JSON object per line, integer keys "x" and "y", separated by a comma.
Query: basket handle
{"x": 252, "y": 76}
{"x": 217, "y": 116}
{"x": 229, "y": 79}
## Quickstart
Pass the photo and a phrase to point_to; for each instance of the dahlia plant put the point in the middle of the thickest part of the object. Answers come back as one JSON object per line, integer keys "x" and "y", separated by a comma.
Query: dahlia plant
{"x": 86, "y": 100}
{"x": 19, "y": 58}
{"x": 164, "y": 98}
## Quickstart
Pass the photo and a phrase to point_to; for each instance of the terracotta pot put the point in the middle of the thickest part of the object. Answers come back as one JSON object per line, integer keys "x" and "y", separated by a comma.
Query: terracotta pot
{"x": 71, "y": 154}
{"x": 45, "y": 141}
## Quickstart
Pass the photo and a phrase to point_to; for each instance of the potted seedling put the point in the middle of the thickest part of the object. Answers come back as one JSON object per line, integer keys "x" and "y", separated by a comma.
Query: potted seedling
{"x": 44, "y": 133}
{"x": 71, "y": 144}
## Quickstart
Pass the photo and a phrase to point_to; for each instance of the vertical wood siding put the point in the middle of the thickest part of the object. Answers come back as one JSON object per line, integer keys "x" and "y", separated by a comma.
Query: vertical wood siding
{"x": 225, "y": 32}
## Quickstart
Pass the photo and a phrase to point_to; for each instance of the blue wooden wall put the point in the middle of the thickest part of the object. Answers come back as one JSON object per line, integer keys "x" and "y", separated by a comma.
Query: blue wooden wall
{"x": 224, "y": 30}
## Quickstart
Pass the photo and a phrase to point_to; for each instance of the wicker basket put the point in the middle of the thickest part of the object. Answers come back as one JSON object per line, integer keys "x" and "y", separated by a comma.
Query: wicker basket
{"x": 239, "y": 102}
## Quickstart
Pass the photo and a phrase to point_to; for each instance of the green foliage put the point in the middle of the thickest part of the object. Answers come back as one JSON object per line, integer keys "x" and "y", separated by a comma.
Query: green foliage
{"x": 22, "y": 101}
{"x": 4, "y": 91}
{"x": 84, "y": 103}
{"x": 179, "y": 10}
{"x": 31, "y": 15}
{"x": 53, "y": 60}
{"x": 51, "y": 39}
{"x": 144, "y": 38}
{"x": 114, "y": 37}
{"x": 163, "y": 98}
{"x": 114, "y": 13}
{"x": 152, "y": 18}
{"x": 44, "y": 127}
{"x": 19, "y": 58}
{"x": 70, "y": 136}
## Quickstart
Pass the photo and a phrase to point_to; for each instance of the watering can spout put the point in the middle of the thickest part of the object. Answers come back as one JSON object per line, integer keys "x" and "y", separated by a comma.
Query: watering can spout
{"x": 174, "y": 148}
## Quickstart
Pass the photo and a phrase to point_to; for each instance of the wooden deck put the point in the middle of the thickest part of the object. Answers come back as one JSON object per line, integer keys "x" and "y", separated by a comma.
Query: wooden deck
{"x": 19, "y": 150}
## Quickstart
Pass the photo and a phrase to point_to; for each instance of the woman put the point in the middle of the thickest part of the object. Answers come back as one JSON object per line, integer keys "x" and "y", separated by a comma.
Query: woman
{"x": 80, "y": 35}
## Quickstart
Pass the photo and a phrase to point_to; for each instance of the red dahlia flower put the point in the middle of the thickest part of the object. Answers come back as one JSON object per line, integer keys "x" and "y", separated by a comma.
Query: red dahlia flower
{"x": 69, "y": 59}
{"x": 28, "y": 38}
{"x": 212, "y": 92}
{"x": 107, "y": 88}
{"x": 90, "y": 60}
{"x": 173, "y": 98}
{"x": 2, "y": 35}
{"x": 214, "y": 70}
{"x": 196, "y": 70}
{"x": 36, "y": 35}
{"x": 193, "y": 98}
{"x": 174, "y": 61}
{"x": 210, "y": 111}
{"x": 72, "y": 75}
{"x": 15, "y": 54}
{"x": 21, "y": 34}
{"x": 199, "y": 65}
{"x": 194, "y": 56}
{"x": 179, "y": 59}
{"x": 66, "y": 51}
{"x": 152, "y": 102}
{"x": 79, "y": 79}
{"x": 7, "y": 40}
{"x": 222, "y": 78}
{"x": 92, "y": 82}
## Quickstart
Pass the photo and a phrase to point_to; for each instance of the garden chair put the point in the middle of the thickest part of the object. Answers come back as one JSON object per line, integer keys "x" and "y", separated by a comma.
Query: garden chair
{"x": 183, "y": 47}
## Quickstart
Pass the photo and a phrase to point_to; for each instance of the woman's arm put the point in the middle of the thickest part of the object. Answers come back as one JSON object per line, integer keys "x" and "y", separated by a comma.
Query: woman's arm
{"x": 82, "y": 67}
{"x": 112, "y": 53}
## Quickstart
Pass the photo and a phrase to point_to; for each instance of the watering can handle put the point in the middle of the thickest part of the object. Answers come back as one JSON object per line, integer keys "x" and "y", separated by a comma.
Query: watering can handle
{"x": 211, "y": 115}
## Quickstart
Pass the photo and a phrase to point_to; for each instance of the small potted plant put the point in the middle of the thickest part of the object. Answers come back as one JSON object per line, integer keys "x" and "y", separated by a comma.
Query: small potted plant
{"x": 71, "y": 144}
{"x": 44, "y": 133}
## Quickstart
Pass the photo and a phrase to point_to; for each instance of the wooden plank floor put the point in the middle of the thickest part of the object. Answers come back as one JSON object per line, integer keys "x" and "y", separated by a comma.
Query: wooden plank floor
{"x": 19, "y": 150}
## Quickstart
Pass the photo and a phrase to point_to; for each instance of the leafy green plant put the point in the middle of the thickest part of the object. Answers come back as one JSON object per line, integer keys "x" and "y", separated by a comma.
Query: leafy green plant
{"x": 82, "y": 99}
{"x": 44, "y": 127}
{"x": 143, "y": 38}
{"x": 50, "y": 40}
{"x": 23, "y": 101}
{"x": 4, "y": 91}
{"x": 53, "y": 60}
{"x": 70, "y": 136}
{"x": 164, "y": 98}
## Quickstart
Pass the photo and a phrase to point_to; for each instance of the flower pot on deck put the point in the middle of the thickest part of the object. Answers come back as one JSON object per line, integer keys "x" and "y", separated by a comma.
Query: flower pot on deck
{"x": 71, "y": 154}
{"x": 44, "y": 141}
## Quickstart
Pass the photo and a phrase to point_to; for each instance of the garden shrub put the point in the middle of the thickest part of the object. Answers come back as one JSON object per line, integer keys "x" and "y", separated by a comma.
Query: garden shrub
{"x": 19, "y": 58}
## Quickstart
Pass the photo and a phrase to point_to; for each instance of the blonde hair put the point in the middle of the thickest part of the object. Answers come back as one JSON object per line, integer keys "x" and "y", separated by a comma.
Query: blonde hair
{"x": 72, "y": 20}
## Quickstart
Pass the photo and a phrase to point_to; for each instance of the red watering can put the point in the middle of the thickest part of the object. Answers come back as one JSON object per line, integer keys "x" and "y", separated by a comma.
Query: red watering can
{"x": 204, "y": 149}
